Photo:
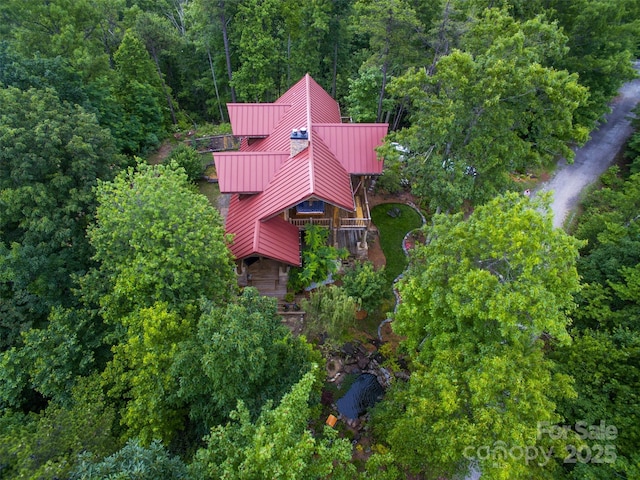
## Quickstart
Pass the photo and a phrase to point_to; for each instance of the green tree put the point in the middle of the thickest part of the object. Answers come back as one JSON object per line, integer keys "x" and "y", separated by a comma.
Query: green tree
{"x": 477, "y": 302}
{"x": 160, "y": 248}
{"x": 260, "y": 52}
{"x": 213, "y": 19}
{"x": 158, "y": 36}
{"x": 138, "y": 92}
{"x": 157, "y": 241}
{"x": 37, "y": 72}
{"x": 604, "y": 365}
{"x": 133, "y": 461}
{"x": 240, "y": 352}
{"x": 278, "y": 444}
{"x": 602, "y": 46}
{"x": 489, "y": 109}
{"x": 363, "y": 95}
{"x": 606, "y": 343}
{"x": 51, "y": 359}
{"x": 47, "y": 445}
{"x": 307, "y": 26}
{"x": 72, "y": 29}
{"x": 140, "y": 372}
{"x": 394, "y": 32}
{"x": 319, "y": 259}
{"x": 610, "y": 259}
{"x": 52, "y": 154}
{"x": 632, "y": 151}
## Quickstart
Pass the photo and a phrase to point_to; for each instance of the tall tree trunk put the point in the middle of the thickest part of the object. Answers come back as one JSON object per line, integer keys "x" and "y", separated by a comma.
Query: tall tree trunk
{"x": 156, "y": 60}
{"x": 289, "y": 61}
{"x": 335, "y": 71}
{"x": 399, "y": 114}
{"x": 215, "y": 83}
{"x": 381, "y": 97}
{"x": 227, "y": 52}
{"x": 442, "y": 46}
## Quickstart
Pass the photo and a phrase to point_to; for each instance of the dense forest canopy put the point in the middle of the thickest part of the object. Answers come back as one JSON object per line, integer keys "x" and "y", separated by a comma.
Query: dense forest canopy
{"x": 125, "y": 347}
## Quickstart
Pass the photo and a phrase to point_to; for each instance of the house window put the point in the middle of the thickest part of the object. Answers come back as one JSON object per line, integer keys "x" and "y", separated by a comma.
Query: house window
{"x": 310, "y": 207}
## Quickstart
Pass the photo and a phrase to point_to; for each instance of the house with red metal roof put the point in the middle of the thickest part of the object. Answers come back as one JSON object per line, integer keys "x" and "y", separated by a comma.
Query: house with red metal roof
{"x": 297, "y": 164}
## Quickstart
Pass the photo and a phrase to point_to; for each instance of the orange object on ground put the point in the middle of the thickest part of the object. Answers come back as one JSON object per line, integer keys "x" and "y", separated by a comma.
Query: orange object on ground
{"x": 331, "y": 420}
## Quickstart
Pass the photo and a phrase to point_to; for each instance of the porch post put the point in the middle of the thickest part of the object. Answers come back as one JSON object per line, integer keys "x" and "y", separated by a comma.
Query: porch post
{"x": 363, "y": 239}
{"x": 335, "y": 224}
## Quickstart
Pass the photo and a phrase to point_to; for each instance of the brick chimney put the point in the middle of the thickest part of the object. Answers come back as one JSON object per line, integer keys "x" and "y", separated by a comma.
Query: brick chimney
{"x": 299, "y": 141}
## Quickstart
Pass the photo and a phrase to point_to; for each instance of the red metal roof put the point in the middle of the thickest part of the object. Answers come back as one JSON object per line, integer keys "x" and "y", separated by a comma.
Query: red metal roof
{"x": 307, "y": 175}
{"x": 321, "y": 171}
{"x": 274, "y": 238}
{"x": 247, "y": 172}
{"x": 322, "y": 107}
{"x": 354, "y": 145}
{"x": 279, "y": 240}
{"x": 255, "y": 119}
{"x": 331, "y": 181}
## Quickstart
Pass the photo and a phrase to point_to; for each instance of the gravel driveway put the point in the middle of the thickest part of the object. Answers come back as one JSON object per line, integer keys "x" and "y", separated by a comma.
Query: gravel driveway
{"x": 595, "y": 156}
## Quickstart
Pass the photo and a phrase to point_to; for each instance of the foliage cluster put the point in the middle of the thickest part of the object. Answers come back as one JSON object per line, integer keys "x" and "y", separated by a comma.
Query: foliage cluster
{"x": 477, "y": 300}
{"x": 330, "y": 312}
{"x": 605, "y": 326}
{"x": 278, "y": 444}
{"x": 367, "y": 285}
{"x": 155, "y": 351}
{"x": 319, "y": 259}
{"x": 187, "y": 158}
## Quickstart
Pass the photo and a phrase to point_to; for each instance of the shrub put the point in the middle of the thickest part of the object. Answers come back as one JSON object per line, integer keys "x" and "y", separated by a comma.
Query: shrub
{"x": 318, "y": 259}
{"x": 331, "y": 311}
{"x": 367, "y": 285}
{"x": 187, "y": 158}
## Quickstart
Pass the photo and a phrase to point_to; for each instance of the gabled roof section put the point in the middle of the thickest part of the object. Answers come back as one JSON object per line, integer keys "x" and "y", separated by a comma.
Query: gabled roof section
{"x": 330, "y": 179}
{"x": 274, "y": 238}
{"x": 255, "y": 119}
{"x": 279, "y": 240}
{"x": 354, "y": 145}
{"x": 247, "y": 172}
{"x": 313, "y": 173}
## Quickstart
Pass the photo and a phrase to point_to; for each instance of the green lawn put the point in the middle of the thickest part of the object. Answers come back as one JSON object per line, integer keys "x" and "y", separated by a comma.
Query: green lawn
{"x": 207, "y": 159}
{"x": 392, "y": 231}
{"x": 209, "y": 190}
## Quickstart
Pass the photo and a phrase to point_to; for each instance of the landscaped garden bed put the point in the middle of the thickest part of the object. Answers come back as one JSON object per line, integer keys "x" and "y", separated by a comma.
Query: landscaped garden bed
{"x": 413, "y": 238}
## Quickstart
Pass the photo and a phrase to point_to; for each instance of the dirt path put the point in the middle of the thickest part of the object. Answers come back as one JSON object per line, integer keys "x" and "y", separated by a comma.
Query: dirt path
{"x": 595, "y": 156}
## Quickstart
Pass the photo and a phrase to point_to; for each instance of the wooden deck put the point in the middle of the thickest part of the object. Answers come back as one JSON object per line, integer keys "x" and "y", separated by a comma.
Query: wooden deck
{"x": 265, "y": 276}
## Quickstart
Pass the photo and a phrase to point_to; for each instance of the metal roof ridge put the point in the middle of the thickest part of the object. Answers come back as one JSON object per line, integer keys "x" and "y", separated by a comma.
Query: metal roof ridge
{"x": 309, "y": 129}
{"x": 260, "y": 104}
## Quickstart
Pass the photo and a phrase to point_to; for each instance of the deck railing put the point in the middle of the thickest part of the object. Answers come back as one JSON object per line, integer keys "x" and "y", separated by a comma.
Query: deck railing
{"x": 354, "y": 222}
{"x": 345, "y": 222}
{"x": 301, "y": 222}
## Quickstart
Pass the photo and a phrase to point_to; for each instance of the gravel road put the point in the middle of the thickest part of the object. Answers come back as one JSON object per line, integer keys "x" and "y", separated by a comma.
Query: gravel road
{"x": 595, "y": 156}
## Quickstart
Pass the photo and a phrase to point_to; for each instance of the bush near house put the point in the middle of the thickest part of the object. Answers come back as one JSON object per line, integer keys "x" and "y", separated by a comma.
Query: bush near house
{"x": 187, "y": 158}
{"x": 367, "y": 285}
{"x": 330, "y": 312}
{"x": 318, "y": 259}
